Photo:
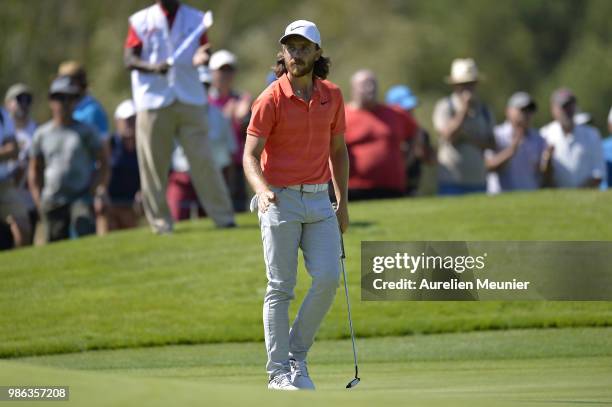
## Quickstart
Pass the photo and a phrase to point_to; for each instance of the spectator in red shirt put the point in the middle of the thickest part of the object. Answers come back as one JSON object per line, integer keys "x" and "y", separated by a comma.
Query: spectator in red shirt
{"x": 376, "y": 137}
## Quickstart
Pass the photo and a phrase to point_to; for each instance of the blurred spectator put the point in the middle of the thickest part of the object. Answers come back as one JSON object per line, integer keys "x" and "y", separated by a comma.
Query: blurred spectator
{"x": 607, "y": 153}
{"x": 15, "y": 229}
{"x": 181, "y": 196}
{"x": 237, "y": 108}
{"x": 18, "y": 103}
{"x": 124, "y": 187}
{"x": 577, "y": 159}
{"x": 89, "y": 111}
{"x": 420, "y": 150}
{"x": 465, "y": 125}
{"x": 270, "y": 77}
{"x": 517, "y": 162}
{"x": 376, "y": 137}
{"x": 170, "y": 104}
{"x": 62, "y": 156}
{"x": 583, "y": 118}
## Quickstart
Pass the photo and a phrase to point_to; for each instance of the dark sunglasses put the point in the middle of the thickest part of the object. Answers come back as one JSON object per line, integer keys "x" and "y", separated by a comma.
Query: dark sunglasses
{"x": 62, "y": 97}
{"x": 24, "y": 99}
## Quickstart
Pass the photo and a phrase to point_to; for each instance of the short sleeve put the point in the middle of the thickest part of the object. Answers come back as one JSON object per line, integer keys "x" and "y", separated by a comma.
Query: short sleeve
{"x": 132, "y": 40}
{"x": 35, "y": 147}
{"x": 441, "y": 115}
{"x": 263, "y": 116}
{"x": 338, "y": 125}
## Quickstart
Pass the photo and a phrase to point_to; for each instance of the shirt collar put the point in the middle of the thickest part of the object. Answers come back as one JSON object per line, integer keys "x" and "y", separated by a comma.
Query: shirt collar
{"x": 286, "y": 88}
{"x": 167, "y": 12}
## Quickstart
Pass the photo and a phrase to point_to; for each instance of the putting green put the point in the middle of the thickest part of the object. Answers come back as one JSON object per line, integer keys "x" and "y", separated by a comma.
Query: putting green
{"x": 517, "y": 367}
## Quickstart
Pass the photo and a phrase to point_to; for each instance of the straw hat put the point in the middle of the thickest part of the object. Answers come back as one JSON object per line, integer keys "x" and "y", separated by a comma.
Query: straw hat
{"x": 463, "y": 70}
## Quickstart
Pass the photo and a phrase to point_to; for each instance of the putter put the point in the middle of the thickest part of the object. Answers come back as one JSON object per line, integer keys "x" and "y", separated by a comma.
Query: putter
{"x": 354, "y": 382}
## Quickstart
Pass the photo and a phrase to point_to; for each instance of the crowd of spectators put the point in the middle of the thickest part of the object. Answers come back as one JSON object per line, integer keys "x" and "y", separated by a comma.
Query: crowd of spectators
{"x": 77, "y": 175}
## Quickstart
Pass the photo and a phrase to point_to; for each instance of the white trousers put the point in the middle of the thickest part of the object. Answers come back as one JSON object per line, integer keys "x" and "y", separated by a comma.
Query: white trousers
{"x": 306, "y": 221}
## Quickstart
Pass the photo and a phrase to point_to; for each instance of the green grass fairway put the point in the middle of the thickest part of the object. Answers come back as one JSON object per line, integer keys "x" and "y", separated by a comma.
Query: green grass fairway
{"x": 556, "y": 367}
{"x": 202, "y": 285}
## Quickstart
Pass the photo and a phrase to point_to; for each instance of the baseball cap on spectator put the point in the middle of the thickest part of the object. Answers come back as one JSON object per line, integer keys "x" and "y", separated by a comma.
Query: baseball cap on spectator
{"x": 125, "y": 110}
{"x": 16, "y": 90}
{"x": 463, "y": 70}
{"x": 303, "y": 28}
{"x": 62, "y": 85}
{"x": 522, "y": 100}
{"x": 562, "y": 96}
{"x": 402, "y": 96}
{"x": 222, "y": 58}
{"x": 73, "y": 69}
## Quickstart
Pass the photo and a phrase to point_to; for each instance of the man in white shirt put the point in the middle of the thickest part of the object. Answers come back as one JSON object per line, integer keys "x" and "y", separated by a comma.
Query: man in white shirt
{"x": 162, "y": 52}
{"x": 577, "y": 160}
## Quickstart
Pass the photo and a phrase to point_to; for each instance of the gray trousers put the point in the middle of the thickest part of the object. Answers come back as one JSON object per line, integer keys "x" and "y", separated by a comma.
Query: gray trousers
{"x": 156, "y": 131}
{"x": 307, "y": 221}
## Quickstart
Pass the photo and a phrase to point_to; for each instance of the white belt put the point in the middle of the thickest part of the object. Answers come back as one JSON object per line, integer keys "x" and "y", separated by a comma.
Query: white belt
{"x": 311, "y": 188}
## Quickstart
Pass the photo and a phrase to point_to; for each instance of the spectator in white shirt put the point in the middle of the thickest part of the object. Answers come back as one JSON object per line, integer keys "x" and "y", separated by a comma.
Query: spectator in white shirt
{"x": 577, "y": 159}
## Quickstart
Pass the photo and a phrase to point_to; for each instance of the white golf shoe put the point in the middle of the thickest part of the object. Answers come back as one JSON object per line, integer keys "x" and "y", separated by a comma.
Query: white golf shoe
{"x": 281, "y": 382}
{"x": 299, "y": 375}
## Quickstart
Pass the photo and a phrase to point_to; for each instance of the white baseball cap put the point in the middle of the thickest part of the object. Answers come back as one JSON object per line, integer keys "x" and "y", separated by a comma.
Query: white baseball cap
{"x": 125, "y": 110}
{"x": 221, "y": 58}
{"x": 610, "y": 116}
{"x": 303, "y": 28}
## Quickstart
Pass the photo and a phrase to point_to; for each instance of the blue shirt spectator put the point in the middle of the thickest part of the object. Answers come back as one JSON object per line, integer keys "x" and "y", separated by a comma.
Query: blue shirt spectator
{"x": 88, "y": 110}
{"x": 91, "y": 112}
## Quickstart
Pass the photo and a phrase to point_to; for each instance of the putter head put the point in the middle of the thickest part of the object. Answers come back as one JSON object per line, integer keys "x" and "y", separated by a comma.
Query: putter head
{"x": 353, "y": 383}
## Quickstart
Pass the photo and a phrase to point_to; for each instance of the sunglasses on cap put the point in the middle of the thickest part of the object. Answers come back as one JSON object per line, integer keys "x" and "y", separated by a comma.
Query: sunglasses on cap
{"x": 62, "y": 97}
{"x": 529, "y": 109}
{"x": 24, "y": 99}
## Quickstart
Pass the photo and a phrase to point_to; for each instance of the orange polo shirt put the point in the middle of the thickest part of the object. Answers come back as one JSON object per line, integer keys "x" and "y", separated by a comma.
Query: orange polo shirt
{"x": 298, "y": 134}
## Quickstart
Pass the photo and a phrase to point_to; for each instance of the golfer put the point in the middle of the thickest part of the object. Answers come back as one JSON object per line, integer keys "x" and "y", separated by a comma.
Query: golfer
{"x": 294, "y": 146}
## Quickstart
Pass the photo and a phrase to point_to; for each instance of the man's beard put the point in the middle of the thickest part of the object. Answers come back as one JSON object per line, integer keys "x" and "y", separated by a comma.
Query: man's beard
{"x": 299, "y": 70}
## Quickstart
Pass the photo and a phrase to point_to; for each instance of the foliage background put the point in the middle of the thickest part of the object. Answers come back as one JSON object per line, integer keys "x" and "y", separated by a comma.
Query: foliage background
{"x": 534, "y": 45}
